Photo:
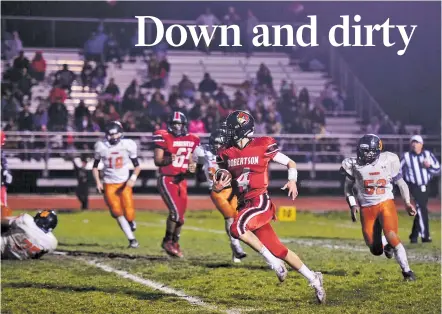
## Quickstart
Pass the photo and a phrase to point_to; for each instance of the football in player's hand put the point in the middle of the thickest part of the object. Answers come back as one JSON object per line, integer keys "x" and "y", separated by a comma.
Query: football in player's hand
{"x": 222, "y": 173}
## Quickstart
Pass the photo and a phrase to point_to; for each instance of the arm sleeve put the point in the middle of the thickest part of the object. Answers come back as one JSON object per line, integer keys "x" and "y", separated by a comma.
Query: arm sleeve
{"x": 347, "y": 168}
{"x": 348, "y": 187}
{"x": 403, "y": 189}
{"x": 281, "y": 159}
{"x": 271, "y": 147}
{"x": 198, "y": 155}
{"x": 435, "y": 165}
{"x": 97, "y": 151}
{"x": 159, "y": 140}
{"x": 396, "y": 173}
{"x": 132, "y": 150}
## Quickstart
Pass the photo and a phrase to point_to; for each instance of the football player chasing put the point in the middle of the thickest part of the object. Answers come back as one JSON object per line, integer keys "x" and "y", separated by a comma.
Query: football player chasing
{"x": 117, "y": 153}
{"x": 371, "y": 174}
{"x": 248, "y": 160}
{"x": 26, "y": 237}
{"x": 174, "y": 148}
{"x": 225, "y": 201}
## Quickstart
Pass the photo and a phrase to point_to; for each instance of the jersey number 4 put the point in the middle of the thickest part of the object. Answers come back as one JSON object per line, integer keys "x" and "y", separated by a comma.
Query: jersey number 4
{"x": 182, "y": 155}
{"x": 379, "y": 188}
{"x": 244, "y": 180}
{"x": 116, "y": 163}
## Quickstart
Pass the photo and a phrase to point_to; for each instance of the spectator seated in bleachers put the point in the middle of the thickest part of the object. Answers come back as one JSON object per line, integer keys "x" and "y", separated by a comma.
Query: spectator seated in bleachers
{"x": 186, "y": 87}
{"x": 58, "y": 116}
{"x": 207, "y": 85}
{"x": 264, "y": 78}
{"x": 64, "y": 78}
{"x": 57, "y": 94}
{"x": 11, "y": 45}
{"x": 38, "y": 67}
{"x": 21, "y": 62}
{"x": 112, "y": 50}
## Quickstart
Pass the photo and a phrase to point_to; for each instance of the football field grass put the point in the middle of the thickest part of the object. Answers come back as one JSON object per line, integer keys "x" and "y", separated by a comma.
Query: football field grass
{"x": 100, "y": 275}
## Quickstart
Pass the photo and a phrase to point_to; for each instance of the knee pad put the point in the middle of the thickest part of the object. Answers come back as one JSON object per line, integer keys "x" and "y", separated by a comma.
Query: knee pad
{"x": 377, "y": 250}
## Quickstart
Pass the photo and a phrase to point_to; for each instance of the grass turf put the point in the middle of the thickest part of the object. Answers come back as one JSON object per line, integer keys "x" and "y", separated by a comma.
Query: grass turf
{"x": 356, "y": 282}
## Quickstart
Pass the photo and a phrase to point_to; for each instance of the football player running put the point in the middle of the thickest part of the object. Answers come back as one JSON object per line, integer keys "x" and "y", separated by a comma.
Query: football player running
{"x": 248, "y": 160}
{"x": 26, "y": 237}
{"x": 117, "y": 153}
{"x": 225, "y": 201}
{"x": 174, "y": 148}
{"x": 371, "y": 174}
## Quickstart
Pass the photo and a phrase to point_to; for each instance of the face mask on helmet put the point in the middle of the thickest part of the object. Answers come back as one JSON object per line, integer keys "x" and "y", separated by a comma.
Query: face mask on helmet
{"x": 113, "y": 136}
{"x": 367, "y": 156}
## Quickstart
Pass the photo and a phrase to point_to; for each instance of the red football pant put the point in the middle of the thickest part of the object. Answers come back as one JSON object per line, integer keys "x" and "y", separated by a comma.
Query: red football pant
{"x": 3, "y": 196}
{"x": 175, "y": 196}
{"x": 255, "y": 216}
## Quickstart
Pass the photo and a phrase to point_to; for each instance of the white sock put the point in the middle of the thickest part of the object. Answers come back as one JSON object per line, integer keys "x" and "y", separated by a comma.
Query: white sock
{"x": 307, "y": 273}
{"x": 124, "y": 225}
{"x": 401, "y": 257}
{"x": 271, "y": 259}
{"x": 384, "y": 241}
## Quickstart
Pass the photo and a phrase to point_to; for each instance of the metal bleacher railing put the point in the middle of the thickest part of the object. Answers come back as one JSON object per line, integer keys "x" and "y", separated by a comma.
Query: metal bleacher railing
{"x": 51, "y": 32}
{"x": 52, "y": 150}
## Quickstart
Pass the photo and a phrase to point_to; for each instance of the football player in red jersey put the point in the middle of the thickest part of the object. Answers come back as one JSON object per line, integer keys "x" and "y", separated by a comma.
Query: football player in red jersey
{"x": 248, "y": 160}
{"x": 173, "y": 154}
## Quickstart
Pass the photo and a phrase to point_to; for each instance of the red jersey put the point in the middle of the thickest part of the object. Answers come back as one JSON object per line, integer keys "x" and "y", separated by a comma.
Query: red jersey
{"x": 181, "y": 146}
{"x": 249, "y": 166}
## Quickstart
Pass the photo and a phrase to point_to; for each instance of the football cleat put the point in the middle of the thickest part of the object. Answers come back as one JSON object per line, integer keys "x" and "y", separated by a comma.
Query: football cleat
{"x": 318, "y": 286}
{"x": 409, "y": 276}
{"x": 133, "y": 226}
{"x": 178, "y": 250}
{"x": 133, "y": 244}
{"x": 238, "y": 252}
{"x": 427, "y": 240}
{"x": 281, "y": 272}
{"x": 169, "y": 247}
{"x": 388, "y": 251}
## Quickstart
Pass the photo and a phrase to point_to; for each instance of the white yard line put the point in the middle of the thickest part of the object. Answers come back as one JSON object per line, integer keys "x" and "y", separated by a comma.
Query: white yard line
{"x": 159, "y": 286}
{"x": 323, "y": 243}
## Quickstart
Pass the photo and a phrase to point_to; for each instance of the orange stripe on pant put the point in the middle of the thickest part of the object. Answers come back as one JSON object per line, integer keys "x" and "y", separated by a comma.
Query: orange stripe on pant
{"x": 226, "y": 202}
{"x": 378, "y": 218}
{"x": 119, "y": 198}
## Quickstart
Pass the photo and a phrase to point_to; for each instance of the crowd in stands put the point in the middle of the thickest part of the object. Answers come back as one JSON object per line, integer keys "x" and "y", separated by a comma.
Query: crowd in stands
{"x": 144, "y": 106}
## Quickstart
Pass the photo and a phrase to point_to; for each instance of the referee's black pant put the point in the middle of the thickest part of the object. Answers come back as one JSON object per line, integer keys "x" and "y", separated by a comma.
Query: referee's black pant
{"x": 420, "y": 224}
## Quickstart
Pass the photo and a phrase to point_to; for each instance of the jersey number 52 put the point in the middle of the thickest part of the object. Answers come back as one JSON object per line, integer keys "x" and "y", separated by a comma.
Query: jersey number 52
{"x": 379, "y": 188}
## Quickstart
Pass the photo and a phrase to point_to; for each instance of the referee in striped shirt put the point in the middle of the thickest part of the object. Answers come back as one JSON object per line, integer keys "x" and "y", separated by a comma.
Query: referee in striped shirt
{"x": 418, "y": 167}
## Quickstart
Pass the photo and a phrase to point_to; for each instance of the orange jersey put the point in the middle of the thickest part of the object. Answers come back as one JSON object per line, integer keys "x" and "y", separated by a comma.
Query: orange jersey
{"x": 249, "y": 166}
{"x": 181, "y": 146}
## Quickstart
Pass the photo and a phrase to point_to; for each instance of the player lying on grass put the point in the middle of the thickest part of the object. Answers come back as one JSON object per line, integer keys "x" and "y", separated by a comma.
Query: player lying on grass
{"x": 117, "y": 154}
{"x": 173, "y": 155}
{"x": 26, "y": 237}
{"x": 225, "y": 201}
{"x": 247, "y": 160}
{"x": 371, "y": 174}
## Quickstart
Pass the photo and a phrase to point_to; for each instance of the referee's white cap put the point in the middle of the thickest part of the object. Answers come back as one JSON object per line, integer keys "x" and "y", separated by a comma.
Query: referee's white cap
{"x": 417, "y": 138}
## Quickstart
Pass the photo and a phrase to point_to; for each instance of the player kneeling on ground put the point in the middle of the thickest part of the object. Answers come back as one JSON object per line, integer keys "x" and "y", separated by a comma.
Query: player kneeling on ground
{"x": 371, "y": 174}
{"x": 225, "y": 201}
{"x": 248, "y": 160}
{"x": 25, "y": 237}
{"x": 117, "y": 153}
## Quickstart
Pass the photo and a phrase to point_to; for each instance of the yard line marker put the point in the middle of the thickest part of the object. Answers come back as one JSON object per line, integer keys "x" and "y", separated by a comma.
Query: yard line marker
{"x": 159, "y": 286}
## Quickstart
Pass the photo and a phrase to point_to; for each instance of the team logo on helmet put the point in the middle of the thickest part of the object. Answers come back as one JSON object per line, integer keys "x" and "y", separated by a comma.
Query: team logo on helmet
{"x": 243, "y": 118}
